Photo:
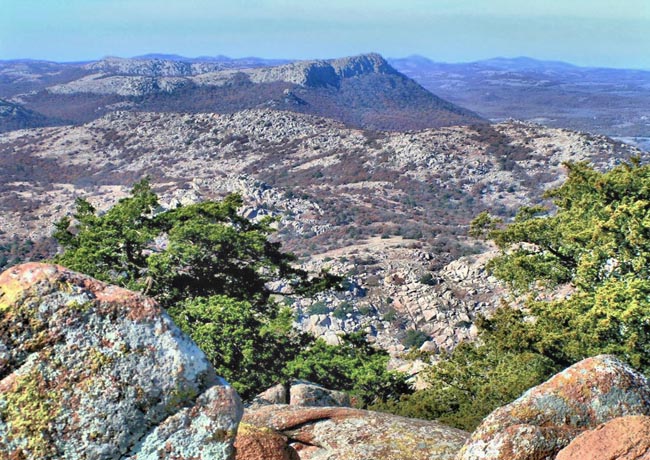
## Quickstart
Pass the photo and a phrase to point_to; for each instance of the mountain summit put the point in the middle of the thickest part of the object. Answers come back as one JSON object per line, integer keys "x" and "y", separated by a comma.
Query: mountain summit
{"x": 324, "y": 73}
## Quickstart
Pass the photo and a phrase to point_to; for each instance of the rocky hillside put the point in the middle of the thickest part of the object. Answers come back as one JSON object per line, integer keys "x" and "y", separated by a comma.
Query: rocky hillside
{"x": 361, "y": 91}
{"x": 335, "y": 185}
{"x": 387, "y": 210}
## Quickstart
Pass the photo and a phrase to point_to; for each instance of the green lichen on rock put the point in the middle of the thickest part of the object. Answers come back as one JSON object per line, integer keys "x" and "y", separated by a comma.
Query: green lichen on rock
{"x": 181, "y": 396}
{"x": 28, "y": 409}
{"x": 98, "y": 360}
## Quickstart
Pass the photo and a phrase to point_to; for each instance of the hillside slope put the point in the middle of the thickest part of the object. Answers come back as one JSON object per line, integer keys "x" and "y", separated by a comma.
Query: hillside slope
{"x": 14, "y": 116}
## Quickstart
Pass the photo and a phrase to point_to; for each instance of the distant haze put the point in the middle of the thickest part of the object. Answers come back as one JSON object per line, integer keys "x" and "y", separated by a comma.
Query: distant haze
{"x": 585, "y": 32}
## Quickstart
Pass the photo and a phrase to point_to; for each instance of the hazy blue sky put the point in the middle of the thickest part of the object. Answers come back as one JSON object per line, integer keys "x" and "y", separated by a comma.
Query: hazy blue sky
{"x": 589, "y": 32}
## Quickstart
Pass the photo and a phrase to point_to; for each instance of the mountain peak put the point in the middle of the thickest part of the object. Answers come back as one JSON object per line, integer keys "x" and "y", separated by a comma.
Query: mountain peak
{"x": 322, "y": 73}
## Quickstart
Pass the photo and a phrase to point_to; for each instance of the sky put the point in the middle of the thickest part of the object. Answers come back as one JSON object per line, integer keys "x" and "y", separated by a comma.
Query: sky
{"x": 607, "y": 33}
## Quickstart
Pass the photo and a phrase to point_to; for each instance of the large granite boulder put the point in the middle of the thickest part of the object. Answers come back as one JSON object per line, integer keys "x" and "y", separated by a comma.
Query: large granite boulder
{"x": 277, "y": 394}
{"x": 91, "y": 371}
{"x": 624, "y": 438}
{"x": 341, "y": 433}
{"x": 548, "y": 417}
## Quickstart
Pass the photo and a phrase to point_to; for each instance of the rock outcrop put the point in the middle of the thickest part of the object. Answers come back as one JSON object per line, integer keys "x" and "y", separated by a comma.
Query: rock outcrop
{"x": 302, "y": 393}
{"x": 362, "y": 91}
{"x": 338, "y": 433}
{"x": 548, "y": 417}
{"x": 91, "y": 371}
{"x": 624, "y": 438}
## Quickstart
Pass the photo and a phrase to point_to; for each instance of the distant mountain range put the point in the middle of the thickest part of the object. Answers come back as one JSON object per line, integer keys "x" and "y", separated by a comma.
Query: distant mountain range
{"x": 614, "y": 102}
{"x": 361, "y": 91}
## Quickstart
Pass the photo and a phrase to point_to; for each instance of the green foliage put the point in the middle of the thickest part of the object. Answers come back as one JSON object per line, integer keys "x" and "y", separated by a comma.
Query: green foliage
{"x": 471, "y": 383}
{"x": 207, "y": 265}
{"x": 247, "y": 349}
{"x": 355, "y": 366}
{"x": 414, "y": 338}
{"x": 318, "y": 308}
{"x": 110, "y": 247}
{"x": 342, "y": 310}
{"x": 390, "y": 315}
{"x": 597, "y": 243}
{"x": 197, "y": 250}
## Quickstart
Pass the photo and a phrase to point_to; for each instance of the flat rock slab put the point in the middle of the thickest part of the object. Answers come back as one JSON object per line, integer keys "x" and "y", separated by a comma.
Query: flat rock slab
{"x": 340, "y": 433}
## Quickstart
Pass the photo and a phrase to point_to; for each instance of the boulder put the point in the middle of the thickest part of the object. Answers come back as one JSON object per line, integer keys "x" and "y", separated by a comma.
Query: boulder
{"x": 302, "y": 393}
{"x": 277, "y": 394}
{"x": 92, "y": 371}
{"x": 549, "y": 416}
{"x": 623, "y": 438}
{"x": 341, "y": 433}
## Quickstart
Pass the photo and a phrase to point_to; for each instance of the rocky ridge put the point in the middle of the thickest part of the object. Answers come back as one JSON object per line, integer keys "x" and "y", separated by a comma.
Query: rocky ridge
{"x": 127, "y": 76}
{"x": 363, "y": 91}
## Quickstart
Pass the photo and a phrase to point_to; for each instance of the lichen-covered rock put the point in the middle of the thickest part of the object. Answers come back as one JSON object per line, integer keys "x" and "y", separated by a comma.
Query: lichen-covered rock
{"x": 547, "y": 417}
{"x": 92, "y": 371}
{"x": 341, "y": 433}
{"x": 624, "y": 438}
{"x": 258, "y": 443}
{"x": 302, "y": 393}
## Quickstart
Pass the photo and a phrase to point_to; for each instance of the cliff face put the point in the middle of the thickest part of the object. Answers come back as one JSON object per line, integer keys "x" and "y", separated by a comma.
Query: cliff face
{"x": 324, "y": 73}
